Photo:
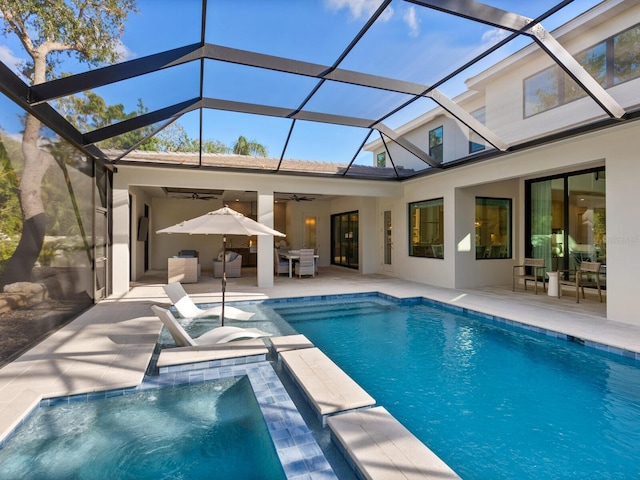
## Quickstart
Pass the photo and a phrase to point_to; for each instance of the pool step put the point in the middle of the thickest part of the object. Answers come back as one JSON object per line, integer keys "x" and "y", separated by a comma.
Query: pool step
{"x": 294, "y": 314}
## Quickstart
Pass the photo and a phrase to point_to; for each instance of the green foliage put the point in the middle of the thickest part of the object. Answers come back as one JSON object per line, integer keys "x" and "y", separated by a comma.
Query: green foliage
{"x": 85, "y": 29}
{"x": 10, "y": 214}
{"x": 249, "y": 147}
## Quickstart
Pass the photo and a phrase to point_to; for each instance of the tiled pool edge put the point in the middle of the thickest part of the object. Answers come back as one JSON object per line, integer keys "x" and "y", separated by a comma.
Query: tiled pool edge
{"x": 300, "y": 455}
{"x": 603, "y": 347}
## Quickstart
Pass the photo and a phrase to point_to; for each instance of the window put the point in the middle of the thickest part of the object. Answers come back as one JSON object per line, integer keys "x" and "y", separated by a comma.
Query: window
{"x": 610, "y": 62}
{"x": 426, "y": 223}
{"x": 626, "y": 55}
{"x": 476, "y": 142}
{"x": 381, "y": 159}
{"x": 493, "y": 228}
{"x": 435, "y": 143}
{"x": 541, "y": 91}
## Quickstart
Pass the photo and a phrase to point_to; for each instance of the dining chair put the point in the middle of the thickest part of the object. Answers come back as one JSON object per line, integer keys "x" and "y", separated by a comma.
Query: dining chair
{"x": 306, "y": 263}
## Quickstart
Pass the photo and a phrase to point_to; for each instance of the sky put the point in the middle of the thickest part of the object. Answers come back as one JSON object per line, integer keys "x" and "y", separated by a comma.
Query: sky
{"x": 408, "y": 42}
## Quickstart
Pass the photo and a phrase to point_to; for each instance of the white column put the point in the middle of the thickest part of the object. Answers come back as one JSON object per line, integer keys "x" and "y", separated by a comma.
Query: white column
{"x": 120, "y": 252}
{"x": 265, "y": 242}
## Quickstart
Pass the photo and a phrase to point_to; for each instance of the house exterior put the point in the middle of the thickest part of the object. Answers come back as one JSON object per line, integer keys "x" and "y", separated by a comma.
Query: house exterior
{"x": 532, "y": 191}
{"x": 601, "y": 164}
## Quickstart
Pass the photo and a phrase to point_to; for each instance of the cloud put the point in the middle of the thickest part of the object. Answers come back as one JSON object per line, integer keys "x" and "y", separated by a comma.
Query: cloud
{"x": 412, "y": 21}
{"x": 9, "y": 59}
{"x": 124, "y": 53}
{"x": 493, "y": 36}
{"x": 359, "y": 8}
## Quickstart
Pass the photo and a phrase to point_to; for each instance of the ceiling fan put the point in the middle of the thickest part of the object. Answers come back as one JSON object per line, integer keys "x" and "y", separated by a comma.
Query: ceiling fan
{"x": 199, "y": 196}
{"x": 301, "y": 198}
{"x": 193, "y": 194}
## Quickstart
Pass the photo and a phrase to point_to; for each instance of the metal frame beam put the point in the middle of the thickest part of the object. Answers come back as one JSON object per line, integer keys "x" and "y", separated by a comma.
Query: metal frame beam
{"x": 140, "y": 121}
{"x": 13, "y": 87}
{"x": 496, "y": 17}
{"x": 99, "y": 77}
{"x": 407, "y": 145}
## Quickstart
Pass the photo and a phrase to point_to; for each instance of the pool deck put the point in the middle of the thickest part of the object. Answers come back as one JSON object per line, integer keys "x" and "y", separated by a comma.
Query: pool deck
{"x": 110, "y": 345}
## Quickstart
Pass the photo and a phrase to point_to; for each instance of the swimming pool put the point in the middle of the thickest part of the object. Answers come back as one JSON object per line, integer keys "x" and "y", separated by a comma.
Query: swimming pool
{"x": 242, "y": 441}
{"x": 182, "y": 432}
{"x": 491, "y": 399}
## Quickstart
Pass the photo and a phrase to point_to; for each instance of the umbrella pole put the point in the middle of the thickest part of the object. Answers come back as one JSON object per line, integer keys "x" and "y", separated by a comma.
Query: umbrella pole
{"x": 224, "y": 274}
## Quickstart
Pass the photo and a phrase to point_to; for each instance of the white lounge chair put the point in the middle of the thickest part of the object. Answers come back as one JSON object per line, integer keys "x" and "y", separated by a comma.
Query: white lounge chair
{"x": 216, "y": 336}
{"x": 187, "y": 309}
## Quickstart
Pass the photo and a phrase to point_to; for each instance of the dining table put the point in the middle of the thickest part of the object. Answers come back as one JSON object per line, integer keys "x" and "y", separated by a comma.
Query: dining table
{"x": 292, "y": 255}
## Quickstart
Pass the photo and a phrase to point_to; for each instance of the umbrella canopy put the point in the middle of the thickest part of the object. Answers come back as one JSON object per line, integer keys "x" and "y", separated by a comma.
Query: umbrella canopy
{"x": 224, "y": 221}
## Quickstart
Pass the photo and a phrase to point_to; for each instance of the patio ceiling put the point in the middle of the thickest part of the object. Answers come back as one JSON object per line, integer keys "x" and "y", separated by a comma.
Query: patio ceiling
{"x": 313, "y": 82}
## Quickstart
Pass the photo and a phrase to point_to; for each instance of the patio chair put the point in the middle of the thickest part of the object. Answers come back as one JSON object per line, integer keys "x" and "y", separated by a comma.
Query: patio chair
{"x": 529, "y": 271}
{"x": 307, "y": 263}
{"x": 588, "y": 275}
{"x": 213, "y": 337}
{"x": 279, "y": 264}
{"x": 187, "y": 309}
{"x": 233, "y": 266}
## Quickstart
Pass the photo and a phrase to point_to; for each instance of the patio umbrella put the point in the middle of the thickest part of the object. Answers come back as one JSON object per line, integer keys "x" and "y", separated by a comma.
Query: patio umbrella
{"x": 224, "y": 221}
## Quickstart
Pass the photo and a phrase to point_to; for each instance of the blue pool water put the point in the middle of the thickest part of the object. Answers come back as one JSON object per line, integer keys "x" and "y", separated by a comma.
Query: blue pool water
{"x": 210, "y": 430}
{"x": 492, "y": 400}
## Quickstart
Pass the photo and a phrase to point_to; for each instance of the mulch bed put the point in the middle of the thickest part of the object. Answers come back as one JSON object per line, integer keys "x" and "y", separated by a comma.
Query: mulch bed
{"x": 23, "y": 328}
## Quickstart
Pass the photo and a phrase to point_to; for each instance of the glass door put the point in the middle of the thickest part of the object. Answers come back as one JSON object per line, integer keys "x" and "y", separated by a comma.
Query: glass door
{"x": 567, "y": 219}
{"x": 344, "y": 243}
{"x": 387, "y": 240}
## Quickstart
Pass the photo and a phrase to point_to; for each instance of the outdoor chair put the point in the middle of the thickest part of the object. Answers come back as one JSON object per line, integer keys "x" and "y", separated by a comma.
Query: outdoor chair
{"x": 233, "y": 265}
{"x": 588, "y": 275}
{"x": 280, "y": 265}
{"x": 307, "y": 263}
{"x": 531, "y": 270}
{"x": 212, "y": 337}
{"x": 187, "y": 309}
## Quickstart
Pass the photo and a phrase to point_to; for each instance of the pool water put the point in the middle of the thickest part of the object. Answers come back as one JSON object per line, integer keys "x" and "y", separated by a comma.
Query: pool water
{"x": 210, "y": 430}
{"x": 493, "y": 401}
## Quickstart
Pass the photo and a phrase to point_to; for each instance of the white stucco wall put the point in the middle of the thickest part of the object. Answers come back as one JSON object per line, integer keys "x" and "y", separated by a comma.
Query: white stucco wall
{"x": 616, "y": 148}
{"x": 132, "y": 178}
{"x": 504, "y": 177}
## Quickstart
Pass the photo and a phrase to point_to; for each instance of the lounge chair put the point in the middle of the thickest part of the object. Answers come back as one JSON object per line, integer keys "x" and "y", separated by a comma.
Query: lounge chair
{"x": 212, "y": 337}
{"x": 187, "y": 309}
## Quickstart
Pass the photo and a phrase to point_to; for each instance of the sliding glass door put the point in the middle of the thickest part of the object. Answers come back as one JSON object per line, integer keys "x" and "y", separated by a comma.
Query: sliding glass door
{"x": 566, "y": 219}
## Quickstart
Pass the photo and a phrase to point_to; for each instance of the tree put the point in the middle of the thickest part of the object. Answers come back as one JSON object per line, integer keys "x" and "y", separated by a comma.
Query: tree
{"x": 249, "y": 147}
{"x": 85, "y": 29}
{"x": 174, "y": 138}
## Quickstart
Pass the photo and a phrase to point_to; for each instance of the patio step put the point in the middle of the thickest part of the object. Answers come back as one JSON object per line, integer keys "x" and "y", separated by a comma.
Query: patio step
{"x": 326, "y": 387}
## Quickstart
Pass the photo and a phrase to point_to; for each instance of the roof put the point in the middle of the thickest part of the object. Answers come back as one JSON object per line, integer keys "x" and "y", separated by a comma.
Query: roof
{"x": 313, "y": 82}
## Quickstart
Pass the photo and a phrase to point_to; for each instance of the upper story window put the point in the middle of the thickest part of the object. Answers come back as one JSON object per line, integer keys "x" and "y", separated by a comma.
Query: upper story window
{"x": 476, "y": 142}
{"x": 381, "y": 159}
{"x": 610, "y": 62}
{"x": 436, "y": 148}
{"x": 426, "y": 223}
